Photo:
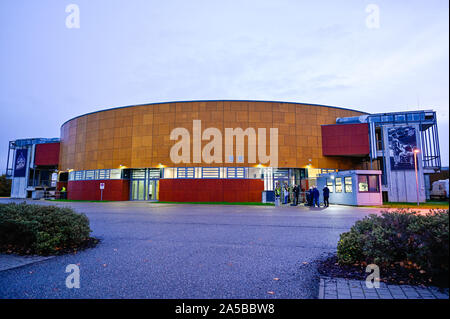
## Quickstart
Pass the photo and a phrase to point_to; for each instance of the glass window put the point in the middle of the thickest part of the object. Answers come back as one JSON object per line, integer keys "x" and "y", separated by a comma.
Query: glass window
{"x": 210, "y": 172}
{"x": 363, "y": 183}
{"x": 71, "y": 176}
{"x": 373, "y": 184}
{"x": 348, "y": 187}
{"x": 400, "y": 118}
{"x": 115, "y": 174}
{"x": 169, "y": 172}
{"x": 330, "y": 184}
{"x": 254, "y": 172}
{"x": 90, "y": 174}
{"x": 185, "y": 172}
{"x": 103, "y": 174}
{"x": 154, "y": 173}
{"x": 79, "y": 175}
{"x": 338, "y": 184}
{"x": 236, "y": 172}
{"x": 368, "y": 183}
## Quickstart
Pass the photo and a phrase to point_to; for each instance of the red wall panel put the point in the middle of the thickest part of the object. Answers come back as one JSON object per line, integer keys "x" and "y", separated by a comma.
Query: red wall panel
{"x": 47, "y": 154}
{"x": 345, "y": 139}
{"x": 210, "y": 190}
{"x": 115, "y": 190}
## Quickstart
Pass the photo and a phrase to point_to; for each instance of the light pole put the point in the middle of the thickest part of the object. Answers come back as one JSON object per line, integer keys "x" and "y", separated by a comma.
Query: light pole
{"x": 416, "y": 150}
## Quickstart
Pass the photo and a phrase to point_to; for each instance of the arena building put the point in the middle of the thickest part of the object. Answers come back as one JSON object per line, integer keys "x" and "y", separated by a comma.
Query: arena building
{"x": 233, "y": 151}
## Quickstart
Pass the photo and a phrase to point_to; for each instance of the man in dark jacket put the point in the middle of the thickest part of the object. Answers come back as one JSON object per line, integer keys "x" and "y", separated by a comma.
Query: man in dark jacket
{"x": 296, "y": 192}
{"x": 326, "y": 196}
{"x": 316, "y": 196}
{"x": 310, "y": 196}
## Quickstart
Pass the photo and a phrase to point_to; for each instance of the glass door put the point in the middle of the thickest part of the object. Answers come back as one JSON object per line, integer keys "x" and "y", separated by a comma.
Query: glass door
{"x": 153, "y": 189}
{"x": 138, "y": 190}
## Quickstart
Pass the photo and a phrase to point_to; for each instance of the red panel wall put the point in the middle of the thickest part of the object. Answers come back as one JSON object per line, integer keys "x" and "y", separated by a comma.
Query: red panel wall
{"x": 345, "y": 139}
{"x": 47, "y": 154}
{"x": 115, "y": 190}
{"x": 210, "y": 190}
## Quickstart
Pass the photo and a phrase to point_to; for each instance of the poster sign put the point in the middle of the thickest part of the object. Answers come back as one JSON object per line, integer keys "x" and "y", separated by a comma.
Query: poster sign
{"x": 102, "y": 185}
{"x": 402, "y": 141}
{"x": 20, "y": 164}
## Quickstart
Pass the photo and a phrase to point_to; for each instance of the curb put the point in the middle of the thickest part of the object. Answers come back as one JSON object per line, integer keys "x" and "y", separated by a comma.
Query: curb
{"x": 321, "y": 288}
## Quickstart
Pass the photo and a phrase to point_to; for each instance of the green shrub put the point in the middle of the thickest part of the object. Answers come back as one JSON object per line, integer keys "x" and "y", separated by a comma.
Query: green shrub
{"x": 411, "y": 239}
{"x": 43, "y": 230}
{"x": 5, "y": 186}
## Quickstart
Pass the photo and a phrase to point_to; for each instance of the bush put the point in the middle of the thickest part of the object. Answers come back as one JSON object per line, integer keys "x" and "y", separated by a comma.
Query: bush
{"x": 43, "y": 230}
{"x": 407, "y": 238}
{"x": 5, "y": 186}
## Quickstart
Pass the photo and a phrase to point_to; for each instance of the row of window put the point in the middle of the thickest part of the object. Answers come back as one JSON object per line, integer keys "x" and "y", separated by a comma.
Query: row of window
{"x": 366, "y": 184}
{"x": 212, "y": 172}
{"x": 401, "y": 118}
{"x": 170, "y": 172}
{"x": 95, "y": 174}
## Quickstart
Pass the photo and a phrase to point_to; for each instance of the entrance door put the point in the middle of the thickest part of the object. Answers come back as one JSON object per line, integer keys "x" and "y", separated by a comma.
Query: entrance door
{"x": 138, "y": 189}
{"x": 153, "y": 189}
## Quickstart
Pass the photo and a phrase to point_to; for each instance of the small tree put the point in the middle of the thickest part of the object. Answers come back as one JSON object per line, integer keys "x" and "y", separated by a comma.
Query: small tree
{"x": 5, "y": 186}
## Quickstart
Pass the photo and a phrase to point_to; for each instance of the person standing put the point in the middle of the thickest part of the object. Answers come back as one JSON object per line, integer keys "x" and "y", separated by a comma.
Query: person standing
{"x": 286, "y": 194}
{"x": 63, "y": 193}
{"x": 326, "y": 196}
{"x": 296, "y": 192}
{"x": 277, "y": 194}
{"x": 316, "y": 195}
{"x": 310, "y": 196}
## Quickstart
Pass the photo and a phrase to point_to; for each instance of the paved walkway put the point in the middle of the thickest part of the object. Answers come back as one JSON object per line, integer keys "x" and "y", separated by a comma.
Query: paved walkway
{"x": 341, "y": 288}
{"x": 15, "y": 261}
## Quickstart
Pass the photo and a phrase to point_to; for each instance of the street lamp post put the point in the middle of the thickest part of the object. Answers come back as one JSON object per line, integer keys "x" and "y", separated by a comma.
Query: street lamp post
{"x": 416, "y": 151}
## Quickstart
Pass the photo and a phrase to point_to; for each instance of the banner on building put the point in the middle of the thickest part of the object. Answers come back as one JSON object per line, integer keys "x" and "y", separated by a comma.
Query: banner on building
{"x": 20, "y": 164}
{"x": 402, "y": 142}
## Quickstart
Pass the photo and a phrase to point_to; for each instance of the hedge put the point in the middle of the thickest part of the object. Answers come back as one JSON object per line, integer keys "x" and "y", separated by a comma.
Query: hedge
{"x": 411, "y": 239}
{"x": 43, "y": 230}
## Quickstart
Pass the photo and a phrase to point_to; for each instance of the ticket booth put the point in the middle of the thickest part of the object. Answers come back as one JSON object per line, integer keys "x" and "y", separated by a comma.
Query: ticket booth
{"x": 353, "y": 187}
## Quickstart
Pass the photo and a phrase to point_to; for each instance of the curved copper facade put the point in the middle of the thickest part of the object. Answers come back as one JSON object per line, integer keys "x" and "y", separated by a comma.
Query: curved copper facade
{"x": 139, "y": 136}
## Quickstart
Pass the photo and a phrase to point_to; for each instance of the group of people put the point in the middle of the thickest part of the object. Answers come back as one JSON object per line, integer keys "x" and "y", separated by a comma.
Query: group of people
{"x": 288, "y": 194}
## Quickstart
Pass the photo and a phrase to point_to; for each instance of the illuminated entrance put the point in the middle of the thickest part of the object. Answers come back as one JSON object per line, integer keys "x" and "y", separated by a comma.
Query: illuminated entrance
{"x": 144, "y": 184}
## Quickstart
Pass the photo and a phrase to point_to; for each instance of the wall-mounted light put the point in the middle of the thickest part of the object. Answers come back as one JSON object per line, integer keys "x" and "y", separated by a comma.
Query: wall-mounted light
{"x": 160, "y": 165}
{"x": 122, "y": 166}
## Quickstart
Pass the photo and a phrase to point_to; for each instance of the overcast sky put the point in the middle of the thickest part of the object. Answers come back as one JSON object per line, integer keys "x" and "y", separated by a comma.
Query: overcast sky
{"x": 135, "y": 52}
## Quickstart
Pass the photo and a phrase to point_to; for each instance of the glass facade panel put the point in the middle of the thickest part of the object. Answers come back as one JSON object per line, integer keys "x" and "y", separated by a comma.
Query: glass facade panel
{"x": 103, "y": 174}
{"x": 90, "y": 175}
{"x": 363, "y": 183}
{"x": 210, "y": 172}
{"x": 373, "y": 183}
{"x": 330, "y": 184}
{"x": 338, "y": 184}
{"x": 348, "y": 187}
{"x": 115, "y": 174}
{"x": 154, "y": 173}
{"x": 169, "y": 172}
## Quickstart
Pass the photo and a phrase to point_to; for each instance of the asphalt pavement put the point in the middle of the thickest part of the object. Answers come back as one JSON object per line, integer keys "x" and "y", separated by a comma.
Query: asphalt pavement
{"x": 190, "y": 251}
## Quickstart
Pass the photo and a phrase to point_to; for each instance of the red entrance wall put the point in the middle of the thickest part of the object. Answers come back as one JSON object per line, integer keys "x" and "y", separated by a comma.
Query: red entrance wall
{"x": 210, "y": 190}
{"x": 115, "y": 190}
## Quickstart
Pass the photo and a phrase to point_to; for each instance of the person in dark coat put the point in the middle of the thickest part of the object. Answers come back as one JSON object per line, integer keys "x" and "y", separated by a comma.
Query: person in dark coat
{"x": 326, "y": 196}
{"x": 296, "y": 193}
{"x": 310, "y": 196}
{"x": 316, "y": 195}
